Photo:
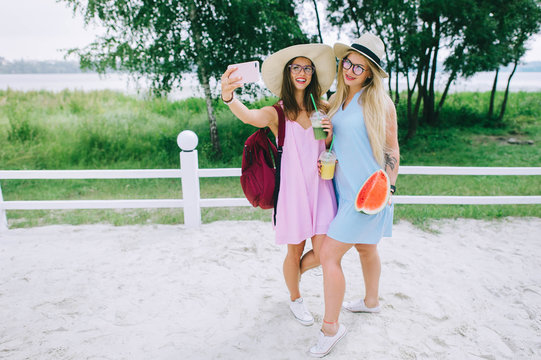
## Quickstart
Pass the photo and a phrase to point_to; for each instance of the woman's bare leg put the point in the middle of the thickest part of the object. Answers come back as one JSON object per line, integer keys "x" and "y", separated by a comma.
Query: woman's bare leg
{"x": 334, "y": 283}
{"x": 371, "y": 265}
{"x": 292, "y": 269}
{"x": 310, "y": 260}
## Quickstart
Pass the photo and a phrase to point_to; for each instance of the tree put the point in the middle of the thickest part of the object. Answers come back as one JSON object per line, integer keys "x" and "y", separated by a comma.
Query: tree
{"x": 392, "y": 20}
{"x": 416, "y": 31}
{"x": 516, "y": 21}
{"x": 165, "y": 39}
{"x": 397, "y": 23}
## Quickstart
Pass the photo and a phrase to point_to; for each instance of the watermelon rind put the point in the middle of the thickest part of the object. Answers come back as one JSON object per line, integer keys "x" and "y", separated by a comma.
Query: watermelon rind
{"x": 367, "y": 188}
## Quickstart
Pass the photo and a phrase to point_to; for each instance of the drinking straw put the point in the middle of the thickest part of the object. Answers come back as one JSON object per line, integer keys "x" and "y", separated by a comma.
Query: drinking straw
{"x": 311, "y": 96}
{"x": 332, "y": 142}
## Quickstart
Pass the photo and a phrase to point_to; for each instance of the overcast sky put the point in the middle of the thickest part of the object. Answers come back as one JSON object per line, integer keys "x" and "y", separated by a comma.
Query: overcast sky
{"x": 40, "y": 29}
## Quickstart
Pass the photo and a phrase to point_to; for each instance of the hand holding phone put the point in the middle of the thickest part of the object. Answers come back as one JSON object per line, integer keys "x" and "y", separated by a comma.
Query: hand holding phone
{"x": 247, "y": 71}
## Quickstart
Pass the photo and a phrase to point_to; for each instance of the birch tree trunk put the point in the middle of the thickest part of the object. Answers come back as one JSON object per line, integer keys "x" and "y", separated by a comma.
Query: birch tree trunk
{"x": 204, "y": 80}
{"x": 493, "y": 94}
{"x": 504, "y": 103}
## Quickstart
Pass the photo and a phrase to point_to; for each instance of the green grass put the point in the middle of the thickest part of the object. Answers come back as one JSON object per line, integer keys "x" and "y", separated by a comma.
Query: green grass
{"x": 108, "y": 130}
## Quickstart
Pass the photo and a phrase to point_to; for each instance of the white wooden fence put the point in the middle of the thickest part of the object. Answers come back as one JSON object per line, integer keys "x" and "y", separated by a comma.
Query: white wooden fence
{"x": 189, "y": 173}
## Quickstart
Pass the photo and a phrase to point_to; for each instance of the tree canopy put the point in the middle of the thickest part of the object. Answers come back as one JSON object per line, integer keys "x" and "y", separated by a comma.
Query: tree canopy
{"x": 470, "y": 35}
{"x": 165, "y": 39}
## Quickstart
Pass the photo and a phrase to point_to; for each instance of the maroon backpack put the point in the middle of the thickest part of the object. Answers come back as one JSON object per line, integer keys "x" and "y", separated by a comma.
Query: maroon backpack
{"x": 260, "y": 173}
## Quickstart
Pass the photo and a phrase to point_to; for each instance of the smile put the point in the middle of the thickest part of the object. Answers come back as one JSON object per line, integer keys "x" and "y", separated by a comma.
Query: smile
{"x": 300, "y": 80}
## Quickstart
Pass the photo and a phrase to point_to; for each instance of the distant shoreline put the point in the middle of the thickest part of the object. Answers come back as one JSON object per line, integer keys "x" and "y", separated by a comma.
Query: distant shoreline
{"x": 72, "y": 67}
{"x": 481, "y": 82}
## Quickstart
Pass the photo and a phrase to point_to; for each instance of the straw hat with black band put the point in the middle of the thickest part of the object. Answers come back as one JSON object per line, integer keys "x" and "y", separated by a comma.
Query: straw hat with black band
{"x": 321, "y": 56}
{"x": 368, "y": 45}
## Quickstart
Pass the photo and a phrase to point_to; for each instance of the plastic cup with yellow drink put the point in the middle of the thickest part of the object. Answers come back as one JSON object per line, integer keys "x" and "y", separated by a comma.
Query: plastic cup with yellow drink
{"x": 328, "y": 164}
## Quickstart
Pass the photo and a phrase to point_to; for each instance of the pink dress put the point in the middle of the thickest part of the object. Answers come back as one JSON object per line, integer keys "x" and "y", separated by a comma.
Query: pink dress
{"x": 306, "y": 203}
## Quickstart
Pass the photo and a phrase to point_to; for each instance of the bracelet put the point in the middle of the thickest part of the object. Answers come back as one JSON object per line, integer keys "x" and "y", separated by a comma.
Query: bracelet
{"x": 393, "y": 189}
{"x": 227, "y": 102}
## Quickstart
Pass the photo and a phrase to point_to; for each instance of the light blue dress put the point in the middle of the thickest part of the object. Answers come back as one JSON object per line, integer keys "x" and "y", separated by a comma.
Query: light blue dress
{"x": 356, "y": 163}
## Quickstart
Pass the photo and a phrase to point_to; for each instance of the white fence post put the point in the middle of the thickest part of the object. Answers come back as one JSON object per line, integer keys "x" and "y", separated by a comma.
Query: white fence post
{"x": 3, "y": 217}
{"x": 187, "y": 141}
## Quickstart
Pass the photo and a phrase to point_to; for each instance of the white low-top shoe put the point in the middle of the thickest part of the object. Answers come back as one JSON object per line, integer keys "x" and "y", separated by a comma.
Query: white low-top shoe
{"x": 326, "y": 343}
{"x": 360, "y": 306}
{"x": 301, "y": 313}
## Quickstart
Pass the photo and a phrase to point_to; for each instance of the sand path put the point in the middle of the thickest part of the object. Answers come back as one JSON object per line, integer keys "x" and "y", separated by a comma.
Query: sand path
{"x": 470, "y": 290}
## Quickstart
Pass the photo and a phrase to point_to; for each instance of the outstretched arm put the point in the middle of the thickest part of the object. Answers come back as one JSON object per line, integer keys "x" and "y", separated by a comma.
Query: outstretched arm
{"x": 266, "y": 116}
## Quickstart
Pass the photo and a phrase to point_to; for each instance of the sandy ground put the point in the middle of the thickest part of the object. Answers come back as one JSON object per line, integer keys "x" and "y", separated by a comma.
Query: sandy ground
{"x": 469, "y": 290}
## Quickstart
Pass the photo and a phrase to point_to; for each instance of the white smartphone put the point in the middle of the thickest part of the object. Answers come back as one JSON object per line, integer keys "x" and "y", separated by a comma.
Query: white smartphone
{"x": 248, "y": 71}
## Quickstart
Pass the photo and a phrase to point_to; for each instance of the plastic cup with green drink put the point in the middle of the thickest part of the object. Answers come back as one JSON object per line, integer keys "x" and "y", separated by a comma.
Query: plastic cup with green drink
{"x": 316, "y": 118}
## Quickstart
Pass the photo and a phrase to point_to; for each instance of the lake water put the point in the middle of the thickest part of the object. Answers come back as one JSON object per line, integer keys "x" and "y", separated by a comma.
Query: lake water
{"x": 89, "y": 82}
{"x": 522, "y": 81}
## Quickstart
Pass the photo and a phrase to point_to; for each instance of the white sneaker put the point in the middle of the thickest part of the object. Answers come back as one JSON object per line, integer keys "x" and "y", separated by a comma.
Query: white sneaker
{"x": 301, "y": 313}
{"x": 326, "y": 343}
{"x": 360, "y": 306}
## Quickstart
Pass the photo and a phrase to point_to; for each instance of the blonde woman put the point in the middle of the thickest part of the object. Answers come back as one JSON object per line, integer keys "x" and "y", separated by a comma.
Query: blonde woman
{"x": 365, "y": 140}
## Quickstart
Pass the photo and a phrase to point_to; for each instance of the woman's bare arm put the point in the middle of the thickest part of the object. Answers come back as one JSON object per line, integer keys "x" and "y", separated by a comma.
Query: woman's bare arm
{"x": 392, "y": 153}
{"x": 265, "y": 116}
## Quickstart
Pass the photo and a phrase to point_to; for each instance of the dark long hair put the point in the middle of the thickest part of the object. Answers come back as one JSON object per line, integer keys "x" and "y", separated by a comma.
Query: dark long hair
{"x": 291, "y": 107}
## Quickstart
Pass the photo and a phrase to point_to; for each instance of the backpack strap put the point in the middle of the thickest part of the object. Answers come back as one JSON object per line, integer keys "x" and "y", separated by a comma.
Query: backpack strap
{"x": 281, "y": 124}
{"x": 278, "y": 160}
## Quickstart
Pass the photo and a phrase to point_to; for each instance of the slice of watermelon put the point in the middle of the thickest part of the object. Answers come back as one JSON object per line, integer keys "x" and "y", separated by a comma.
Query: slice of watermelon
{"x": 374, "y": 193}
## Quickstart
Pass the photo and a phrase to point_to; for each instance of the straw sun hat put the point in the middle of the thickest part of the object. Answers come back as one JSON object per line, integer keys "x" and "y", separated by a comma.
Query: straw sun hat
{"x": 321, "y": 55}
{"x": 368, "y": 45}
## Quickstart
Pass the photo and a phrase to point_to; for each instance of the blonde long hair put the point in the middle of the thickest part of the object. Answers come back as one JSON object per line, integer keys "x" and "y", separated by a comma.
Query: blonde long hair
{"x": 374, "y": 100}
